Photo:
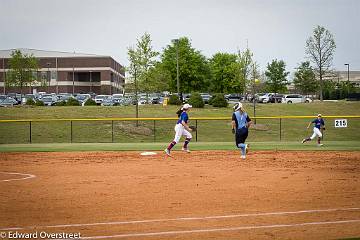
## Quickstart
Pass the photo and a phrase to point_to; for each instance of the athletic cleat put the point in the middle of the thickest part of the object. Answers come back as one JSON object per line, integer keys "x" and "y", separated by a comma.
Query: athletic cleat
{"x": 186, "y": 150}
{"x": 167, "y": 152}
{"x": 319, "y": 145}
{"x": 243, "y": 157}
{"x": 303, "y": 141}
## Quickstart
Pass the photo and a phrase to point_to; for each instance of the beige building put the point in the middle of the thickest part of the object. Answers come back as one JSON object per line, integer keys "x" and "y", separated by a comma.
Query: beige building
{"x": 342, "y": 76}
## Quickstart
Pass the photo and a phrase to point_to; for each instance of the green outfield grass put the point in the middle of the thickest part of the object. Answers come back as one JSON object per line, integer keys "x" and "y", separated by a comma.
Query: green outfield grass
{"x": 254, "y": 146}
{"x": 267, "y": 130}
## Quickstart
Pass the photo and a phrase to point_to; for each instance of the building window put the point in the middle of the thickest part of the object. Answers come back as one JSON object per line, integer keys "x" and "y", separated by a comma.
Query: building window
{"x": 84, "y": 76}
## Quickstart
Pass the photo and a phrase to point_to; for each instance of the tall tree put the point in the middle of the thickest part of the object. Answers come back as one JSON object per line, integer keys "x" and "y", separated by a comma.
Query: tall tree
{"x": 147, "y": 62}
{"x": 244, "y": 64}
{"x": 276, "y": 76}
{"x": 23, "y": 69}
{"x": 134, "y": 70}
{"x": 142, "y": 59}
{"x": 320, "y": 48}
{"x": 305, "y": 79}
{"x": 223, "y": 68}
{"x": 194, "y": 71}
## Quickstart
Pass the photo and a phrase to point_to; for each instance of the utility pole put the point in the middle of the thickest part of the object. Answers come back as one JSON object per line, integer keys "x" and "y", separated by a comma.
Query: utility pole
{"x": 348, "y": 77}
{"x": 136, "y": 97}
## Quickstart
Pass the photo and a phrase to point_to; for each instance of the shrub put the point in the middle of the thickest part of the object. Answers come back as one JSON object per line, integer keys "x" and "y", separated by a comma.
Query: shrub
{"x": 39, "y": 103}
{"x": 30, "y": 101}
{"x": 61, "y": 103}
{"x": 218, "y": 100}
{"x": 72, "y": 102}
{"x": 90, "y": 102}
{"x": 174, "y": 100}
{"x": 196, "y": 100}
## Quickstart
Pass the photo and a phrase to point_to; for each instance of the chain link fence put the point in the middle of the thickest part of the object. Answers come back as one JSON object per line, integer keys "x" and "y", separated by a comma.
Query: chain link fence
{"x": 125, "y": 130}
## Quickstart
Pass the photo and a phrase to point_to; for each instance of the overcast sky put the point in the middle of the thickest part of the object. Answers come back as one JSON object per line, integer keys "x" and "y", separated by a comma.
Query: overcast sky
{"x": 273, "y": 28}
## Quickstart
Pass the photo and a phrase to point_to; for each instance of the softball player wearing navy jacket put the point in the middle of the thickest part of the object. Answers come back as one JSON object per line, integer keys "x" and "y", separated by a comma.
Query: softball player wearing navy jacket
{"x": 240, "y": 125}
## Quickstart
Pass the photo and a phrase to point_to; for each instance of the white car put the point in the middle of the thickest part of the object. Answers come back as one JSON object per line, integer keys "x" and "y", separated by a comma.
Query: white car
{"x": 265, "y": 98}
{"x": 99, "y": 98}
{"x": 295, "y": 98}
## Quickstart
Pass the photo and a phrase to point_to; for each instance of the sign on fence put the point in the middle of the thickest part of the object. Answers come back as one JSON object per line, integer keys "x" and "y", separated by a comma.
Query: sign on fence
{"x": 340, "y": 123}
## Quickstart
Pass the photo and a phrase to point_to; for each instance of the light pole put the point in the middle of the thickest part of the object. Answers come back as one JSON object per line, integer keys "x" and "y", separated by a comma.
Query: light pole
{"x": 348, "y": 77}
{"x": 4, "y": 75}
{"x": 176, "y": 41}
{"x": 254, "y": 99}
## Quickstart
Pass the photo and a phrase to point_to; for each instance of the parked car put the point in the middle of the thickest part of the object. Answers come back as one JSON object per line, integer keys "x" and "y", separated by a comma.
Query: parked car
{"x": 206, "y": 97}
{"x": 117, "y": 96}
{"x": 8, "y": 102}
{"x": 49, "y": 100}
{"x": 64, "y": 97}
{"x": 234, "y": 97}
{"x": 108, "y": 101}
{"x": 82, "y": 98}
{"x": 265, "y": 98}
{"x": 28, "y": 96}
{"x": 99, "y": 98}
{"x": 155, "y": 100}
{"x": 295, "y": 98}
{"x": 2, "y": 98}
{"x": 276, "y": 98}
{"x": 186, "y": 97}
{"x": 142, "y": 100}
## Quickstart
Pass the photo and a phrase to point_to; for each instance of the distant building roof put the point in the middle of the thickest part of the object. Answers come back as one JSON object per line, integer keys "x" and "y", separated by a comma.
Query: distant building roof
{"x": 46, "y": 54}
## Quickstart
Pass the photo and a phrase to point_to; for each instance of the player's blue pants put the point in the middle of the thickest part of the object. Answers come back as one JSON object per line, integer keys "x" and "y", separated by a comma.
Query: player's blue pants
{"x": 240, "y": 137}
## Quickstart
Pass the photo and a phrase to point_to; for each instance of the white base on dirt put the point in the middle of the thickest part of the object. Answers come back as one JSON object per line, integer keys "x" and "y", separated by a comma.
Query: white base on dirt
{"x": 148, "y": 153}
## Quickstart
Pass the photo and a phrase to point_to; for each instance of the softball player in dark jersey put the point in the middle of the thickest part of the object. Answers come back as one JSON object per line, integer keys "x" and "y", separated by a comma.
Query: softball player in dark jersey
{"x": 181, "y": 129}
{"x": 240, "y": 125}
{"x": 318, "y": 125}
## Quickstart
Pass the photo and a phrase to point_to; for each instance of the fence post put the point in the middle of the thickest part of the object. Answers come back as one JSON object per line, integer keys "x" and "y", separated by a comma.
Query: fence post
{"x": 30, "y": 131}
{"x": 71, "y": 132}
{"x": 112, "y": 131}
{"x": 196, "y": 133}
{"x": 280, "y": 128}
{"x": 154, "y": 131}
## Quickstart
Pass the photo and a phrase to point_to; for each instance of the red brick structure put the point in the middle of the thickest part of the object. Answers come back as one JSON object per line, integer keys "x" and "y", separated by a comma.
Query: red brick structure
{"x": 66, "y": 72}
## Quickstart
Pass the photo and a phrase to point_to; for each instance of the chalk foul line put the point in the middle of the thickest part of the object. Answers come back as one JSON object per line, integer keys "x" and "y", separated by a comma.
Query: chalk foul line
{"x": 220, "y": 229}
{"x": 183, "y": 219}
{"x": 27, "y": 176}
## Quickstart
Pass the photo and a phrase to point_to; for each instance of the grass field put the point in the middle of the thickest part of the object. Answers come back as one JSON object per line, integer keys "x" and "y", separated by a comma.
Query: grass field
{"x": 267, "y": 130}
{"x": 68, "y": 147}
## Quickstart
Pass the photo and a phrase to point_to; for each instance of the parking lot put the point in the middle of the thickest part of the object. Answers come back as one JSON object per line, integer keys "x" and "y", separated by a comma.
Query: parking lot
{"x": 120, "y": 99}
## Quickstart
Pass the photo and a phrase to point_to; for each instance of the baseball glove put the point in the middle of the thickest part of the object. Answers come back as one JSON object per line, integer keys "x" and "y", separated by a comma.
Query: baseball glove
{"x": 193, "y": 128}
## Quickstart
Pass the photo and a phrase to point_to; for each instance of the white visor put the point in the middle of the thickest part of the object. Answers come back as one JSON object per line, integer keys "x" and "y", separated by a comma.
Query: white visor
{"x": 237, "y": 106}
{"x": 186, "y": 106}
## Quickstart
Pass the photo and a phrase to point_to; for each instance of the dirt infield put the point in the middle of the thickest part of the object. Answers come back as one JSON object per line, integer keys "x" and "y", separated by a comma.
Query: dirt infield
{"x": 201, "y": 195}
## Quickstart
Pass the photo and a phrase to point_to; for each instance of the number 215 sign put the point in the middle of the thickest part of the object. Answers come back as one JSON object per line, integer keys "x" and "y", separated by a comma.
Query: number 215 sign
{"x": 340, "y": 123}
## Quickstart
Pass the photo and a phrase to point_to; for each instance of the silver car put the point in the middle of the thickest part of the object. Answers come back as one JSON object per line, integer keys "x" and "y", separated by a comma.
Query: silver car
{"x": 49, "y": 100}
{"x": 8, "y": 102}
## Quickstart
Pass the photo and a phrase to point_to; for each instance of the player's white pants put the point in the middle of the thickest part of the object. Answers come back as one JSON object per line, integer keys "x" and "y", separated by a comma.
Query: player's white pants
{"x": 181, "y": 131}
{"x": 316, "y": 133}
